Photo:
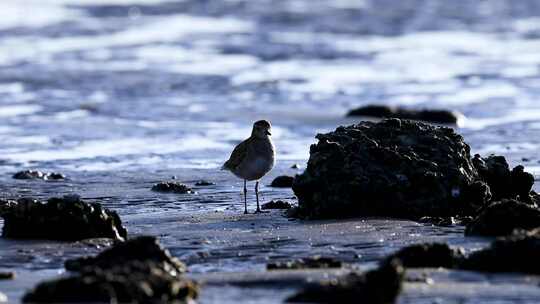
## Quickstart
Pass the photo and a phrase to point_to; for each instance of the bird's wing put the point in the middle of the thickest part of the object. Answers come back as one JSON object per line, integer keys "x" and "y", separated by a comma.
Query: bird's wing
{"x": 237, "y": 156}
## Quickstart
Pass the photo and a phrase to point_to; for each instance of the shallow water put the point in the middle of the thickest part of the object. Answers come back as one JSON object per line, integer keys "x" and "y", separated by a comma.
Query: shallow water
{"x": 121, "y": 94}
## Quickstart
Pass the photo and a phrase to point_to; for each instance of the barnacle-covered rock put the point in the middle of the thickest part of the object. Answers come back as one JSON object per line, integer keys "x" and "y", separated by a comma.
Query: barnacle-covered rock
{"x": 172, "y": 187}
{"x": 428, "y": 255}
{"x": 143, "y": 248}
{"x": 518, "y": 252}
{"x": 379, "y": 286}
{"x": 130, "y": 282}
{"x": 392, "y": 168}
{"x": 306, "y": 263}
{"x": 68, "y": 219}
{"x": 501, "y": 218}
{"x": 384, "y": 111}
{"x": 36, "y": 174}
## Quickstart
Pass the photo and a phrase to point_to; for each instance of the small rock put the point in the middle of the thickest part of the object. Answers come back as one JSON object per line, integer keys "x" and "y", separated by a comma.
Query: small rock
{"x": 295, "y": 166}
{"x": 172, "y": 187}
{"x": 428, "y": 255}
{"x": 276, "y": 205}
{"x": 435, "y": 116}
{"x": 65, "y": 219}
{"x": 282, "y": 181}
{"x": 3, "y": 298}
{"x": 35, "y": 174}
{"x": 518, "y": 252}
{"x": 143, "y": 248}
{"x": 501, "y": 218}
{"x": 204, "y": 183}
{"x": 306, "y": 263}
{"x": 130, "y": 282}
{"x": 379, "y": 286}
{"x": 10, "y": 275}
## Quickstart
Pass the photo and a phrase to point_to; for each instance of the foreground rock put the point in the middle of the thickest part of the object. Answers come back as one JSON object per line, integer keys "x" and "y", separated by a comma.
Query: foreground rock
{"x": 378, "y": 286}
{"x": 131, "y": 282}
{"x": 172, "y": 187}
{"x": 276, "y": 205}
{"x": 428, "y": 255}
{"x": 3, "y": 298}
{"x": 518, "y": 252}
{"x": 306, "y": 263}
{"x": 136, "y": 271}
{"x": 282, "y": 181}
{"x": 66, "y": 219}
{"x": 503, "y": 182}
{"x": 436, "y": 116}
{"x": 391, "y": 168}
{"x": 501, "y": 218}
{"x": 144, "y": 248}
{"x": 35, "y": 174}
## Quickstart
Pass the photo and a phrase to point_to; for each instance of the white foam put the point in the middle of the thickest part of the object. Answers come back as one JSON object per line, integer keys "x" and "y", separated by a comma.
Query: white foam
{"x": 118, "y": 147}
{"x": 150, "y": 30}
{"x": 17, "y": 110}
{"x": 109, "y": 2}
{"x": 33, "y": 13}
{"x": 11, "y": 88}
{"x": 512, "y": 116}
{"x": 483, "y": 93}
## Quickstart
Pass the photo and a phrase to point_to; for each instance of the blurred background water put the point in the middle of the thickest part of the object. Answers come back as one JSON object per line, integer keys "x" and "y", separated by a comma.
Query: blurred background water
{"x": 134, "y": 84}
{"x": 119, "y": 94}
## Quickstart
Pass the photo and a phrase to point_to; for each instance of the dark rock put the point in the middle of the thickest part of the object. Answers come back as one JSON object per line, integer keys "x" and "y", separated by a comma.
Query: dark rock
{"x": 382, "y": 285}
{"x": 204, "y": 183}
{"x": 276, "y": 205}
{"x": 10, "y": 275}
{"x": 446, "y": 221}
{"x": 68, "y": 219}
{"x": 173, "y": 187}
{"x": 436, "y": 116}
{"x": 295, "y": 166}
{"x": 306, "y": 263}
{"x": 501, "y": 218}
{"x": 518, "y": 252}
{"x": 428, "y": 255}
{"x": 392, "y": 168}
{"x": 438, "y": 221}
{"x": 6, "y": 205}
{"x": 504, "y": 183}
{"x": 130, "y": 282}
{"x": 35, "y": 174}
{"x": 282, "y": 181}
{"x": 144, "y": 248}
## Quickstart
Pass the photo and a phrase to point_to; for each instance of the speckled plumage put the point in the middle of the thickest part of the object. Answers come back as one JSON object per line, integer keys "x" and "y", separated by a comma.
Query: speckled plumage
{"x": 254, "y": 157}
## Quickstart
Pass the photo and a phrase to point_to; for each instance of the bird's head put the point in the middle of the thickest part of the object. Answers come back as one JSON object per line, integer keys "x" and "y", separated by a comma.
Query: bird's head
{"x": 261, "y": 129}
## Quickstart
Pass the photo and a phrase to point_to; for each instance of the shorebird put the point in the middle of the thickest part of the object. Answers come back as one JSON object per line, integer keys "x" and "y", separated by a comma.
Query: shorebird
{"x": 253, "y": 158}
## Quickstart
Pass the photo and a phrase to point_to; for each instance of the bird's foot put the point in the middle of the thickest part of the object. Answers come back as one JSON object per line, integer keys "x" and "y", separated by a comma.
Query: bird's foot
{"x": 245, "y": 212}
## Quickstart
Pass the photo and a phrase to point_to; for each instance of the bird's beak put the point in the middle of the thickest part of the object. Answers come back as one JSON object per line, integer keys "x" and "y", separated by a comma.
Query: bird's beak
{"x": 268, "y": 133}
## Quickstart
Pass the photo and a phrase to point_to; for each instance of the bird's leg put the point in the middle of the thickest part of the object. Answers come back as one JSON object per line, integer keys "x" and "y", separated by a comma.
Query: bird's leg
{"x": 257, "y": 195}
{"x": 245, "y": 197}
